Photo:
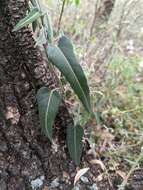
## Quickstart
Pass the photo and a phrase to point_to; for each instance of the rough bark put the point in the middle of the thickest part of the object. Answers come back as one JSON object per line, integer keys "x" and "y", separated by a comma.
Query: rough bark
{"x": 25, "y": 153}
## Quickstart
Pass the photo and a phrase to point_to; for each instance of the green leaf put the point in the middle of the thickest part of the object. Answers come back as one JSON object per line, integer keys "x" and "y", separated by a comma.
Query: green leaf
{"x": 34, "y": 25}
{"x": 31, "y": 17}
{"x": 48, "y": 104}
{"x": 66, "y": 46}
{"x": 48, "y": 27}
{"x": 58, "y": 59}
{"x": 34, "y": 3}
{"x": 74, "y": 141}
{"x": 77, "y": 2}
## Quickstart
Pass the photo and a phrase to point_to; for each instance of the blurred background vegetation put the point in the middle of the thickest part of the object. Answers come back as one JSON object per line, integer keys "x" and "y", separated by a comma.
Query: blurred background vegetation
{"x": 108, "y": 39}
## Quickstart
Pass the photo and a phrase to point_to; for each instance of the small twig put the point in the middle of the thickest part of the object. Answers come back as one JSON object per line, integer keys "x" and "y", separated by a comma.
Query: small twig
{"x": 129, "y": 111}
{"x": 93, "y": 23}
{"x": 94, "y": 18}
{"x": 61, "y": 15}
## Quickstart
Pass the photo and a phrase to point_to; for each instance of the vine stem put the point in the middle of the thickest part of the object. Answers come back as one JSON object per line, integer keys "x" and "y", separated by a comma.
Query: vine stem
{"x": 45, "y": 49}
{"x": 61, "y": 15}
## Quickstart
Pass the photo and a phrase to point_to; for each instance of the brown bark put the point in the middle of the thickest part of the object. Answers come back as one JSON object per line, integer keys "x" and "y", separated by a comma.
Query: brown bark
{"x": 25, "y": 153}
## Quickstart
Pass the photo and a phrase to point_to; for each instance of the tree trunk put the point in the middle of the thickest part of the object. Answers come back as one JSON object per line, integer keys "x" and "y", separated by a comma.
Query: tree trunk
{"x": 25, "y": 153}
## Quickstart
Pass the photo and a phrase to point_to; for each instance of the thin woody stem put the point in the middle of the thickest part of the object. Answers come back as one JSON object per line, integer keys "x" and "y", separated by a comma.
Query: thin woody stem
{"x": 61, "y": 15}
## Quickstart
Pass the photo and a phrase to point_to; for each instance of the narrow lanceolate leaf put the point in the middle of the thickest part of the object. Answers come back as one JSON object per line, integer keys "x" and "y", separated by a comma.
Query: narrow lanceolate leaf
{"x": 74, "y": 141}
{"x": 66, "y": 46}
{"x": 58, "y": 59}
{"x": 31, "y": 17}
{"x": 34, "y": 25}
{"x": 34, "y": 3}
{"x": 48, "y": 104}
{"x": 48, "y": 27}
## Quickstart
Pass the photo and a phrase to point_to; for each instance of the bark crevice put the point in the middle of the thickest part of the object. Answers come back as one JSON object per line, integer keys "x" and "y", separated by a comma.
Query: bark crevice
{"x": 25, "y": 153}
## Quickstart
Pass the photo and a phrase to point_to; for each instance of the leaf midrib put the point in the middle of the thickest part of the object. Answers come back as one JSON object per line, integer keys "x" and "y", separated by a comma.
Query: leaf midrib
{"x": 77, "y": 81}
{"x": 47, "y": 111}
{"x": 75, "y": 144}
{"x": 22, "y": 23}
